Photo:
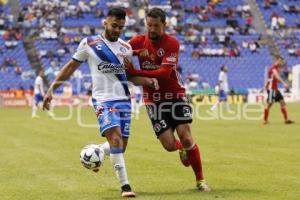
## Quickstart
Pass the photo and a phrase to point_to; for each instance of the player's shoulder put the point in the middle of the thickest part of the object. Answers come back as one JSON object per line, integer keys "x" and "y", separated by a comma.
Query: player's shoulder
{"x": 170, "y": 41}
{"x": 90, "y": 40}
{"x": 273, "y": 67}
{"x": 137, "y": 39}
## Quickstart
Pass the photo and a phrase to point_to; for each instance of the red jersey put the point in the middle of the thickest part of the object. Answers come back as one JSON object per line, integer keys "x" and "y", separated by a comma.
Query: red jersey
{"x": 272, "y": 83}
{"x": 162, "y": 54}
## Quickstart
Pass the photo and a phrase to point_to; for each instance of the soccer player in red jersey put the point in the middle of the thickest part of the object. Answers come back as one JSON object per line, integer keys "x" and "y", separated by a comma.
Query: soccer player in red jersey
{"x": 168, "y": 108}
{"x": 274, "y": 94}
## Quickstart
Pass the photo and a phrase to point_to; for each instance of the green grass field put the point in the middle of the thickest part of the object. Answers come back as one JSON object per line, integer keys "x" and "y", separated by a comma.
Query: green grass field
{"x": 242, "y": 159}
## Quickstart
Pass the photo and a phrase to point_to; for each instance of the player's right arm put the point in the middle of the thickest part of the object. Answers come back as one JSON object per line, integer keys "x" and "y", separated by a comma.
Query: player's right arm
{"x": 63, "y": 75}
{"x": 80, "y": 56}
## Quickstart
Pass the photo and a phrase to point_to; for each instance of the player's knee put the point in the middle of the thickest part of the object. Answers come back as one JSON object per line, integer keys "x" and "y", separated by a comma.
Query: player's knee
{"x": 114, "y": 138}
{"x": 187, "y": 141}
{"x": 169, "y": 146}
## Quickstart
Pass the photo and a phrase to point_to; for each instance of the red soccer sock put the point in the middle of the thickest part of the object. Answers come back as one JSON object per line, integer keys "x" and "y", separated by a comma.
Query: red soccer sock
{"x": 284, "y": 112}
{"x": 266, "y": 114}
{"x": 195, "y": 160}
{"x": 178, "y": 144}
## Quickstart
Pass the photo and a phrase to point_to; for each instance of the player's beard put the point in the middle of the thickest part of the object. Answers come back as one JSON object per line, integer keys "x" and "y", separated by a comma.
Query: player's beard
{"x": 113, "y": 37}
{"x": 153, "y": 36}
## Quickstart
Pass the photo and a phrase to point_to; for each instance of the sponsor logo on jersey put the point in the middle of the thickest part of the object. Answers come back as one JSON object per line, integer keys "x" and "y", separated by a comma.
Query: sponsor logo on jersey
{"x": 160, "y": 52}
{"x": 109, "y": 68}
{"x": 149, "y": 65}
{"x": 171, "y": 58}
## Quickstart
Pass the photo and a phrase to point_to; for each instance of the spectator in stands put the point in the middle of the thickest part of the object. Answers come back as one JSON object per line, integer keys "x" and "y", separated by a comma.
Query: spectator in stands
{"x": 8, "y": 62}
{"x": 249, "y": 20}
{"x": 18, "y": 70}
{"x": 266, "y": 4}
{"x": 274, "y": 21}
{"x": 205, "y": 85}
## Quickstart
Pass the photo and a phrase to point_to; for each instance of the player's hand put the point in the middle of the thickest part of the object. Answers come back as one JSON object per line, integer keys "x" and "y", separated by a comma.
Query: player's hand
{"x": 143, "y": 54}
{"x": 287, "y": 85}
{"x": 128, "y": 66}
{"x": 47, "y": 100}
{"x": 153, "y": 83}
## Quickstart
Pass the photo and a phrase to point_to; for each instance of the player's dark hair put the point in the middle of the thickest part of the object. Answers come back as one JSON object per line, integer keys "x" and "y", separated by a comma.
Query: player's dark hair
{"x": 118, "y": 12}
{"x": 222, "y": 67}
{"x": 157, "y": 13}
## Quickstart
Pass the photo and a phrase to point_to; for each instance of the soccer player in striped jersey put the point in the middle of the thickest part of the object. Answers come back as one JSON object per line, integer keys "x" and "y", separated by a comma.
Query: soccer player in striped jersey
{"x": 168, "y": 108}
{"x": 111, "y": 98}
{"x": 274, "y": 95}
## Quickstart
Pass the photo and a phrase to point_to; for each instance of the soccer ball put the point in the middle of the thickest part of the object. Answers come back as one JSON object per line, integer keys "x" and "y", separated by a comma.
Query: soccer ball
{"x": 91, "y": 156}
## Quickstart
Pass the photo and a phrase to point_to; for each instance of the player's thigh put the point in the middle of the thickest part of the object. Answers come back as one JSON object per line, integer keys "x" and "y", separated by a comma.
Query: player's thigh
{"x": 162, "y": 124}
{"x": 125, "y": 142}
{"x": 114, "y": 137}
{"x": 107, "y": 115}
{"x": 167, "y": 140}
{"x": 161, "y": 120}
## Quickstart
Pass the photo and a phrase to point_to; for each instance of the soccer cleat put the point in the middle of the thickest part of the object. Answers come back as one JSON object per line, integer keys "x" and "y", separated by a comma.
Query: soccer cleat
{"x": 184, "y": 158}
{"x": 126, "y": 191}
{"x": 35, "y": 117}
{"x": 203, "y": 186}
{"x": 289, "y": 121}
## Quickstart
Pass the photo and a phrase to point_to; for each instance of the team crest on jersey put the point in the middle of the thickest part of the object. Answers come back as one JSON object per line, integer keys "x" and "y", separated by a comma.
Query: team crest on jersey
{"x": 160, "y": 52}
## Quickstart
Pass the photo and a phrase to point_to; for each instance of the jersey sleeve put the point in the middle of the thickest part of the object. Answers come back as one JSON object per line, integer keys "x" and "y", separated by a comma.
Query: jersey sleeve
{"x": 171, "y": 55}
{"x": 81, "y": 54}
{"x": 135, "y": 42}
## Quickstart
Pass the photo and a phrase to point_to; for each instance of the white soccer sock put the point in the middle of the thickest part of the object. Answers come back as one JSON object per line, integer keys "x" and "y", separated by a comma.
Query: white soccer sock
{"x": 105, "y": 146}
{"x": 214, "y": 106}
{"x": 117, "y": 160}
{"x": 34, "y": 108}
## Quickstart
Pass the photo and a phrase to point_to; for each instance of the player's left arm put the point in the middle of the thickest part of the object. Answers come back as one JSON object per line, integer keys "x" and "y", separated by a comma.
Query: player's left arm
{"x": 169, "y": 62}
{"x": 276, "y": 74}
{"x": 144, "y": 81}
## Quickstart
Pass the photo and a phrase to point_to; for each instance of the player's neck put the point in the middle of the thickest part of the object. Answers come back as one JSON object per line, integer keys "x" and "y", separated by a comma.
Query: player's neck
{"x": 158, "y": 40}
